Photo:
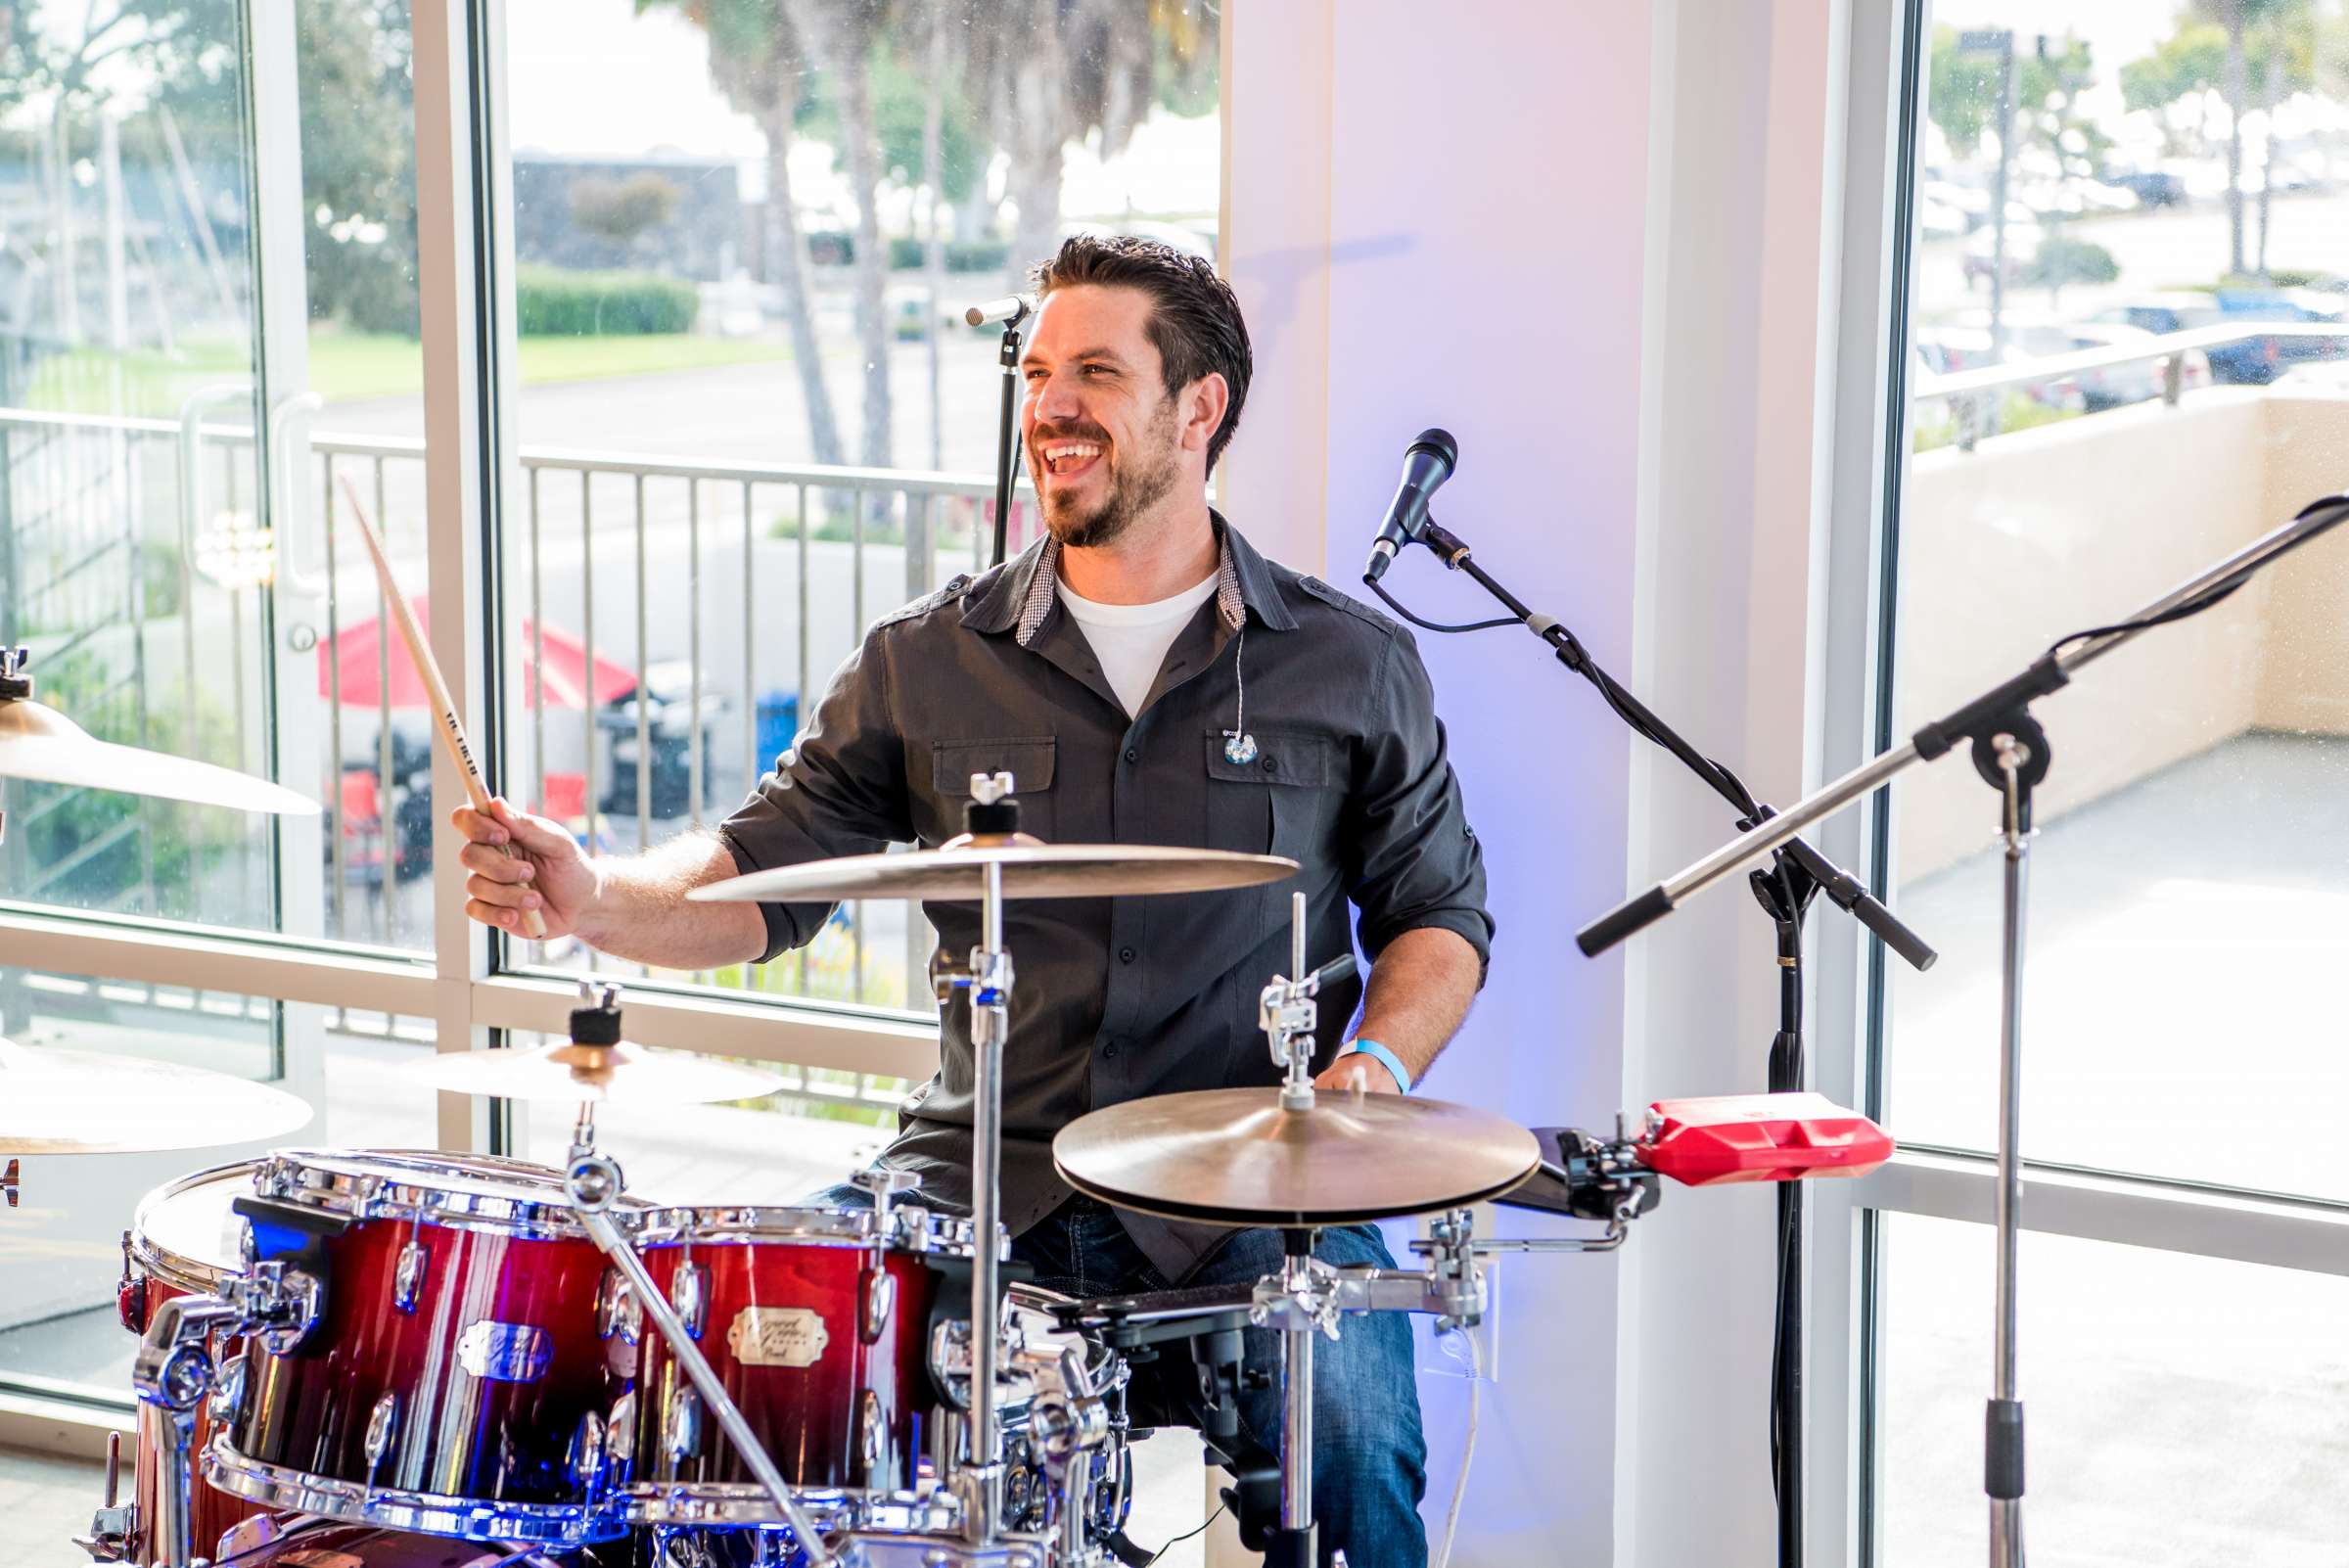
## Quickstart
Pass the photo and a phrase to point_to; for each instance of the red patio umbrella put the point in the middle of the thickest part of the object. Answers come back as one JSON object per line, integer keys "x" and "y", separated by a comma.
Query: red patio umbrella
{"x": 355, "y": 656}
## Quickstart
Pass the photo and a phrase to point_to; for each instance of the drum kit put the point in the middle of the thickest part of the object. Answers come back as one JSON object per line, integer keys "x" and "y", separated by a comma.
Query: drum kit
{"x": 388, "y": 1358}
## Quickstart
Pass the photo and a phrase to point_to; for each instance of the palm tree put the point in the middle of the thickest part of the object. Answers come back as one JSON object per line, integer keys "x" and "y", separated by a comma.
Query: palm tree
{"x": 759, "y": 60}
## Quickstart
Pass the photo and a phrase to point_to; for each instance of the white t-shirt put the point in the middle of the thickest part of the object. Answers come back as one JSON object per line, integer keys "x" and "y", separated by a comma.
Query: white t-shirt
{"x": 1131, "y": 639}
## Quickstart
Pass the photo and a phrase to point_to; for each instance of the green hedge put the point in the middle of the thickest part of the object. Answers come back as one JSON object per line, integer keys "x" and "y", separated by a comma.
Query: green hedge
{"x": 551, "y": 303}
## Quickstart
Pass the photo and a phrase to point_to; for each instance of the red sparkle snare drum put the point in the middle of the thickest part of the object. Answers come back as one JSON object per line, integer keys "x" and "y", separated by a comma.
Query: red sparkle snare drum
{"x": 184, "y": 1240}
{"x": 452, "y": 1380}
{"x": 817, "y": 1322}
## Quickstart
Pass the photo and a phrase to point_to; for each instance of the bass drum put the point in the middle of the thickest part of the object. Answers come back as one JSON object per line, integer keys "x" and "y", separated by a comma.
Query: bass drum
{"x": 184, "y": 1240}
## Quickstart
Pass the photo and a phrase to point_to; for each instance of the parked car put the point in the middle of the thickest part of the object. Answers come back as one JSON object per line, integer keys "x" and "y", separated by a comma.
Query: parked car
{"x": 2252, "y": 362}
{"x": 2034, "y": 337}
{"x": 2152, "y": 187}
{"x": 2023, "y": 241}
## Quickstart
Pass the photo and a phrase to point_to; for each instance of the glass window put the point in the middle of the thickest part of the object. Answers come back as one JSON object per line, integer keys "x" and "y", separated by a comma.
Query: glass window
{"x": 743, "y": 238}
{"x": 198, "y": 343}
{"x": 62, "y": 1250}
{"x": 2099, "y": 178}
{"x": 2181, "y": 1410}
{"x": 816, "y": 1131}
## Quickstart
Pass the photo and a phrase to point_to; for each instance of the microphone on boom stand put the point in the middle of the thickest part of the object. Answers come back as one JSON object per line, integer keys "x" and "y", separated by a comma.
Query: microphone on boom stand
{"x": 1426, "y": 464}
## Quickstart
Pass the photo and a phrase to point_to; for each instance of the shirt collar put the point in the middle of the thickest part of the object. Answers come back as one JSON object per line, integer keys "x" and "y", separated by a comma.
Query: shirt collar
{"x": 1022, "y": 596}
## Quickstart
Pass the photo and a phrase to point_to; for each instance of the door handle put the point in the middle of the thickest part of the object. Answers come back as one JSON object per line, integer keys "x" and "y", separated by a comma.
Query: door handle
{"x": 294, "y": 568}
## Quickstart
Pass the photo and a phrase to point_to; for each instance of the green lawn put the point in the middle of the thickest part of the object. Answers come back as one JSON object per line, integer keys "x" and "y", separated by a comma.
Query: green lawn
{"x": 346, "y": 366}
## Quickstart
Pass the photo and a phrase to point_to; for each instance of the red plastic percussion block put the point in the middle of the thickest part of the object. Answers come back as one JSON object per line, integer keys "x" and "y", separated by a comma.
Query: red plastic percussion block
{"x": 1759, "y": 1138}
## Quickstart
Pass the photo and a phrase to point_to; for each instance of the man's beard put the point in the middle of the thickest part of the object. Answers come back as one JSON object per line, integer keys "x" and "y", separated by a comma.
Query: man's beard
{"x": 1132, "y": 490}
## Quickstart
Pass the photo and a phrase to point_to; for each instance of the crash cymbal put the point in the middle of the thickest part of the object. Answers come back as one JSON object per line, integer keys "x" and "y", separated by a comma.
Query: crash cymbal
{"x": 584, "y": 1074}
{"x": 85, "y": 1102}
{"x": 37, "y": 743}
{"x": 955, "y": 872}
{"x": 1234, "y": 1157}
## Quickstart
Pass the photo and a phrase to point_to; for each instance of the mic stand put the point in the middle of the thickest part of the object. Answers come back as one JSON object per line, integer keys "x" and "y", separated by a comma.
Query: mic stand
{"x": 2011, "y": 752}
{"x": 1008, "y": 360}
{"x": 1798, "y": 874}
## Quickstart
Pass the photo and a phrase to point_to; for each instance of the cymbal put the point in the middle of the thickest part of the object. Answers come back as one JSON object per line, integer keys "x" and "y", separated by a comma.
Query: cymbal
{"x": 597, "y": 1073}
{"x": 1234, "y": 1157}
{"x": 37, "y": 743}
{"x": 86, "y": 1102}
{"x": 955, "y": 872}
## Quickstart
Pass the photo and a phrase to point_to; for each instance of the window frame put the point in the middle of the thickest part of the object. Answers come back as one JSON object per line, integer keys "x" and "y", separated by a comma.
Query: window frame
{"x": 466, "y": 279}
{"x": 1888, "y": 40}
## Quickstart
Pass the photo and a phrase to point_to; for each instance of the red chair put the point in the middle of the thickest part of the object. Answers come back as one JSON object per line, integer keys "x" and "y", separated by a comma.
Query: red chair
{"x": 566, "y": 797}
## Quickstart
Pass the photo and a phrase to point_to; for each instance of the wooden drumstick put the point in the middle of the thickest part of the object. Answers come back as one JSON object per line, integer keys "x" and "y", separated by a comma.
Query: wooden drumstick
{"x": 444, "y": 710}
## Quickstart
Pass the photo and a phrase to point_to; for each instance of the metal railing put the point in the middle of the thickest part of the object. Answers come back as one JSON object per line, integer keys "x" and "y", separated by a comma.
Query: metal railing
{"x": 597, "y": 551}
{"x": 2170, "y": 348}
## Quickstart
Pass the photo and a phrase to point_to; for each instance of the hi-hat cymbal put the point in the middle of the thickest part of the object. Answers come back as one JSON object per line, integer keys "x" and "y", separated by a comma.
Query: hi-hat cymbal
{"x": 41, "y": 744}
{"x": 583, "y": 1074}
{"x": 1234, "y": 1157}
{"x": 85, "y": 1102}
{"x": 955, "y": 872}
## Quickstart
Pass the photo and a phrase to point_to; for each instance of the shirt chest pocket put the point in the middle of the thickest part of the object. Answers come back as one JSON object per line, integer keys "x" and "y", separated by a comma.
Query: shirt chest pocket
{"x": 1282, "y": 801}
{"x": 1028, "y": 759}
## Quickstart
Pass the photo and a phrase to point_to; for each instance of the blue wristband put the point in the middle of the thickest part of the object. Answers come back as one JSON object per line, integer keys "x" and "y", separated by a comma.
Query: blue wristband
{"x": 1384, "y": 1057}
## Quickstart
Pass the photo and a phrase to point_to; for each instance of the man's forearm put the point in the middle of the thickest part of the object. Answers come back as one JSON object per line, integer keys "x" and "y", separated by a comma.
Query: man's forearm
{"x": 640, "y": 912}
{"x": 1418, "y": 993}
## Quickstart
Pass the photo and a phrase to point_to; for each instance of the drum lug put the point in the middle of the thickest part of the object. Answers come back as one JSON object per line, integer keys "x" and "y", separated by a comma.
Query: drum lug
{"x": 872, "y": 1438}
{"x": 617, "y": 1311}
{"x": 407, "y": 1277}
{"x": 689, "y": 1294}
{"x": 588, "y": 1460}
{"x": 681, "y": 1426}
{"x": 228, "y": 1392}
{"x": 880, "y": 1302}
{"x": 381, "y": 1422}
{"x": 620, "y": 1440}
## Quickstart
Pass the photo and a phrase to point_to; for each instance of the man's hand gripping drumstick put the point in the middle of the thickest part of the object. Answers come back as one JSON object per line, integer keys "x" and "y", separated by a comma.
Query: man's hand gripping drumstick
{"x": 521, "y": 915}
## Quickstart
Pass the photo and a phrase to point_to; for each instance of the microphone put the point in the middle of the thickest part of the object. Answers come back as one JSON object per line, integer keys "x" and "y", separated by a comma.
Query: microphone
{"x": 1426, "y": 464}
{"x": 1011, "y": 310}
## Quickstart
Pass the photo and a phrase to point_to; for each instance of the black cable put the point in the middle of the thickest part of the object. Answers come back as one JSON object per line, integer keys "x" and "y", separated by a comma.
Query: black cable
{"x": 1186, "y": 1534}
{"x": 2192, "y": 607}
{"x": 1431, "y": 625}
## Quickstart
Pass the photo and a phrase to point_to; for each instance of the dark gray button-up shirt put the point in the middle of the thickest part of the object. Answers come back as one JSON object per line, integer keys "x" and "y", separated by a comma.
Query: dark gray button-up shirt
{"x": 1118, "y": 999}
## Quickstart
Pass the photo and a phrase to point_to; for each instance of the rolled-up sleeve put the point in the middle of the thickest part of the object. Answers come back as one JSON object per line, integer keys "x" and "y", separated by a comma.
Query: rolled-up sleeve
{"x": 840, "y": 790}
{"x": 1411, "y": 859}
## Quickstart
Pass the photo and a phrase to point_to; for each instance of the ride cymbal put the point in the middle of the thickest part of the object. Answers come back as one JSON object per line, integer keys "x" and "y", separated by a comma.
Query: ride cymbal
{"x": 1234, "y": 1157}
{"x": 955, "y": 872}
{"x": 86, "y": 1102}
{"x": 584, "y": 1074}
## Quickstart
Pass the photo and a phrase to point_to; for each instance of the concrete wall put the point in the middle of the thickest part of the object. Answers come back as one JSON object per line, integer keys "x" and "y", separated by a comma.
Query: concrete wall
{"x": 2053, "y": 530}
{"x": 1436, "y": 217}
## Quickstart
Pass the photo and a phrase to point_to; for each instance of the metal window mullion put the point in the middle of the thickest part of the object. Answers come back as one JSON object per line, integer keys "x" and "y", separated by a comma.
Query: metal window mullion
{"x": 461, "y": 386}
{"x": 644, "y": 697}
{"x": 154, "y": 953}
{"x": 2278, "y": 1233}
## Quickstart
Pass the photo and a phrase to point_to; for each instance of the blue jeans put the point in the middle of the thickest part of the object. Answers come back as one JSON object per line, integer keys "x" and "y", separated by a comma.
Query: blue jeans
{"x": 1369, "y": 1456}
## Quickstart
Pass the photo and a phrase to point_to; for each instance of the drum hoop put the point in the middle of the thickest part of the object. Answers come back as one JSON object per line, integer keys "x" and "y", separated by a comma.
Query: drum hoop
{"x": 713, "y": 1504}
{"x": 537, "y": 1524}
{"x": 175, "y": 1268}
{"x": 339, "y": 1182}
{"x": 913, "y": 1227}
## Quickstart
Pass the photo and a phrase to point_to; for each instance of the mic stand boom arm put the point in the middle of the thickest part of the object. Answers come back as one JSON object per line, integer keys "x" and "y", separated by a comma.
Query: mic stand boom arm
{"x": 2046, "y": 673}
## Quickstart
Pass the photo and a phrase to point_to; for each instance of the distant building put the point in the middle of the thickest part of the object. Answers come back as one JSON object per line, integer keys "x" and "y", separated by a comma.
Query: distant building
{"x": 564, "y": 211}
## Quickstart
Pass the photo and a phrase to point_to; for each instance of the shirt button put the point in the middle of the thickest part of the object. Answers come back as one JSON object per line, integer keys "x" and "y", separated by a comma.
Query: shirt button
{"x": 1124, "y": 956}
{"x": 1133, "y": 753}
{"x": 1109, "y": 1049}
{"x": 1272, "y": 764}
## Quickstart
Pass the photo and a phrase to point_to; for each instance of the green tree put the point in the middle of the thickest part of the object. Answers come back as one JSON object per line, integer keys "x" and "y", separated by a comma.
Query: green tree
{"x": 358, "y": 161}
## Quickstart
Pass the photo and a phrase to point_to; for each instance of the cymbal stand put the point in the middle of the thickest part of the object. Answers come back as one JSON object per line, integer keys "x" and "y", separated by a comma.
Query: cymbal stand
{"x": 987, "y": 977}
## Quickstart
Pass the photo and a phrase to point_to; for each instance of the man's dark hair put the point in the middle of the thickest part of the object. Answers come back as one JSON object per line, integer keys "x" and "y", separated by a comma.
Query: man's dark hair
{"x": 1194, "y": 317}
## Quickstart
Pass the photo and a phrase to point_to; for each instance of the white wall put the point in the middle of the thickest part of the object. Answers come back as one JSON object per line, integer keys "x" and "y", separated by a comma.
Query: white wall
{"x": 1591, "y": 241}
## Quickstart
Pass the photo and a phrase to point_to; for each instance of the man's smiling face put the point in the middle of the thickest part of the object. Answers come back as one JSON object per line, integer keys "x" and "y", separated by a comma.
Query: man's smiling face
{"x": 1104, "y": 439}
